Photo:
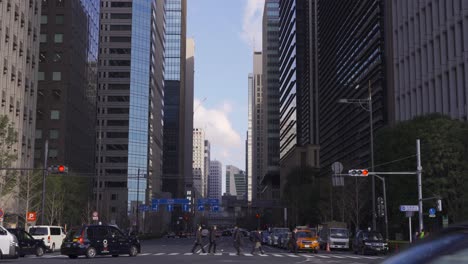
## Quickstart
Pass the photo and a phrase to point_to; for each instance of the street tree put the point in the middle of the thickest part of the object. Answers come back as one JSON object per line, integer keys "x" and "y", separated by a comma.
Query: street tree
{"x": 8, "y": 178}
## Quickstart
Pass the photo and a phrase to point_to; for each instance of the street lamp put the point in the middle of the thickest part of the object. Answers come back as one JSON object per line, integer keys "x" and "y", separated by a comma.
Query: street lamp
{"x": 367, "y": 101}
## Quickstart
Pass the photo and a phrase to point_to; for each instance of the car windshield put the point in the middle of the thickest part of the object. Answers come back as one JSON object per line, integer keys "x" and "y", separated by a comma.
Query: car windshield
{"x": 38, "y": 231}
{"x": 339, "y": 233}
{"x": 304, "y": 234}
{"x": 372, "y": 236}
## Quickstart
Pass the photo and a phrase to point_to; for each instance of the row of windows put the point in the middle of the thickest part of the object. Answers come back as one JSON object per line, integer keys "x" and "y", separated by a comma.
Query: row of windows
{"x": 59, "y": 19}
{"x": 53, "y": 134}
{"x": 58, "y": 3}
{"x": 56, "y": 76}
{"x": 58, "y": 38}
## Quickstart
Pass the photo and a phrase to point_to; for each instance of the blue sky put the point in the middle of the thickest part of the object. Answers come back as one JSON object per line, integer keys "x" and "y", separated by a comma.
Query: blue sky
{"x": 225, "y": 32}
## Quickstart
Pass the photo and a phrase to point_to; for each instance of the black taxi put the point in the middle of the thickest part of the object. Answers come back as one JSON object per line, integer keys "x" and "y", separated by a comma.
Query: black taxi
{"x": 93, "y": 240}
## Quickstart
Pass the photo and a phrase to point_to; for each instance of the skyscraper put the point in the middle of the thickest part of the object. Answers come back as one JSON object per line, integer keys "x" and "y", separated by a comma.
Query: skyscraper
{"x": 19, "y": 50}
{"x": 129, "y": 107}
{"x": 236, "y": 182}
{"x": 429, "y": 67}
{"x": 207, "y": 156}
{"x": 177, "y": 112}
{"x": 66, "y": 102}
{"x": 188, "y": 106}
{"x": 199, "y": 171}
{"x": 269, "y": 180}
{"x": 249, "y": 142}
{"x": 298, "y": 98}
{"x": 215, "y": 180}
{"x": 258, "y": 128}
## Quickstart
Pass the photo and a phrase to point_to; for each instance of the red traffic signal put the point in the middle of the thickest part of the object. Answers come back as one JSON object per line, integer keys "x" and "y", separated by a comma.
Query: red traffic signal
{"x": 61, "y": 168}
{"x": 58, "y": 169}
{"x": 257, "y": 216}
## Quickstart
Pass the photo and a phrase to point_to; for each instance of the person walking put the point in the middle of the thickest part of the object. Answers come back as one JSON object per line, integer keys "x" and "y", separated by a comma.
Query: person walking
{"x": 198, "y": 240}
{"x": 237, "y": 237}
{"x": 212, "y": 238}
{"x": 293, "y": 241}
{"x": 257, "y": 240}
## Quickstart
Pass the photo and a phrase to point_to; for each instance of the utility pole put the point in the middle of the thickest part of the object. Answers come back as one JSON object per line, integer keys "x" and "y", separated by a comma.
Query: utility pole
{"x": 371, "y": 124}
{"x": 44, "y": 175}
{"x": 138, "y": 201}
{"x": 419, "y": 172}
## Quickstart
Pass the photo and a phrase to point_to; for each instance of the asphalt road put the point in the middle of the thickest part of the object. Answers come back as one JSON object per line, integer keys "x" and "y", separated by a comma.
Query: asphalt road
{"x": 178, "y": 250}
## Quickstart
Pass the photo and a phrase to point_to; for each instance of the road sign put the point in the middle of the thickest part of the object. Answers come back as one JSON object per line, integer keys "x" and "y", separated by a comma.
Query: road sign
{"x": 213, "y": 201}
{"x": 215, "y": 208}
{"x": 337, "y": 167}
{"x": 154, "y": 207}
{"x": 432, "y": 212}
{"x": 202, "y": 201}
{"x": 185, "y": 207}
{"x": 144, "y": 208}
{"x": 201, "y": 208}
{"x": 31, "y": 217}
{"x": 95, "y": 216}
{"x": 409, "y": 208}
{"x": 170, "y": 207}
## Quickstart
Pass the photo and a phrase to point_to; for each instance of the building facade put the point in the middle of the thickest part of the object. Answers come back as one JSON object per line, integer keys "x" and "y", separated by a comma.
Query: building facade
{"x": 249, "y": 135}
{"x": 269, "y": 179}
{"x": 236, "y": 182}
{"x": 19, "y": 54}
{"x": 177, "y": 160}
{"x": 259, "y": 146}
{"x": 351, "y": 47}
{"x": 298, "y": 91}
{"x": 207, "y": 166}
{"x": 188, "y": 106}
{"x": 429, "y": 58}
{"x": 199, "y": 172}
{"x": 67, "y": 88}
{"x": 215, "y": 180}
{"x": 129, "y": 107}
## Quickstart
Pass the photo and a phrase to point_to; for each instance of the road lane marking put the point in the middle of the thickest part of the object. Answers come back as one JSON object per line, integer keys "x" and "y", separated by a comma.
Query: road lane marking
{"x": 173, "y": 254}
{"x": 203, "y": 254}
{"x": 322, "y": 256}
{"x": 232, "y": 254}
{"x": 188, "y": 254}
{"x": 159, "y": 254}
{"x": 290, "y": 255}
{"x": 218, "y": 254}
{"x": 145, "y": 254}
{"x": 336, "y": 256}
{"x": 248, "y": 255}
{"x": 277, "y": 255}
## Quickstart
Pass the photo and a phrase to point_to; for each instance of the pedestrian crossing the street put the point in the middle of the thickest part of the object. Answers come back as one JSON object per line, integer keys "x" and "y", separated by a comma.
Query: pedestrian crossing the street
{"x": 233, "y": 254}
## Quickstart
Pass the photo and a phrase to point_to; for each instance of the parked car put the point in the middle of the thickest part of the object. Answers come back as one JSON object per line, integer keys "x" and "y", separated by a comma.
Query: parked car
{"x": 27, "y": 245}
{"x": 450, "y": 245}
{"x": 171, "y": 235}
{"x": 275, "y": 234}
{"x": 92, "y": 240}
{"x": 265, "y": 237}
{"x": 283, "y": 239}
{"x": 52, "y": 235}
{"x": 9, "y": 247}
{"x": 369, "y": 242}
{"x": 227, "y": 232}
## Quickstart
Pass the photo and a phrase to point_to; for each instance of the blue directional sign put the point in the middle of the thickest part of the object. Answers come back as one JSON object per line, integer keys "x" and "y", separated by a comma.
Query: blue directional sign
{"x": 154, "y": 207}
{"x": 170, "y": 207}
{"x": 215, "y": 208}
{"x": 201, "y": 208}
{"x": 409, "y": 208}
{"x": 144, "y": 208}
{"x": 186, "y": 207}
{"x": 432, "y": 212}
{"x": 202, "y": 201}
{"x": 213, "y": 201}
{"x": 170, "y": 201}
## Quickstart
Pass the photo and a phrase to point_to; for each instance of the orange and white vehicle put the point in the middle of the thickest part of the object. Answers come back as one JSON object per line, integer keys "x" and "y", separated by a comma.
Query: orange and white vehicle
{"x": 307, "y": 240}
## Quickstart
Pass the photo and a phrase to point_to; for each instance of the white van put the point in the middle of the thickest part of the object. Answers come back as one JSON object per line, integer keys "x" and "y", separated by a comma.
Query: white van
{"x": 8, "y": 244}
{"x": 52, "y": 235}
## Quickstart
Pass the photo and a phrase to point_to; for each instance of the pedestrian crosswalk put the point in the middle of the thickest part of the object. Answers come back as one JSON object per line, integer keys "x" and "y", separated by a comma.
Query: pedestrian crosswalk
{"x": 233, "y": 254}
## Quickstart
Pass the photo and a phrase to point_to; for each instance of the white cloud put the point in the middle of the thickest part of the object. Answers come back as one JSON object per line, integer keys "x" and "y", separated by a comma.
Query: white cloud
{"x": 252, "y": 24}
{"x": 226, "y": 143}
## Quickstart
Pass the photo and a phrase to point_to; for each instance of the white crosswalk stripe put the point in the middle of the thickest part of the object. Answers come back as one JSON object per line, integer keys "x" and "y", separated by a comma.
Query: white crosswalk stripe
{"x": 232, "y": 254}
{"x": 322, "y": 256}
{"x": 277, "y": 255}
{"x": 173, "y": 254}
{"x": 188, "y": 254}
{"x": 159, "y": 254}
{"x": 145, "y": 254}
{"x": 292, "y": 256}
{"x": 248, "y": 255}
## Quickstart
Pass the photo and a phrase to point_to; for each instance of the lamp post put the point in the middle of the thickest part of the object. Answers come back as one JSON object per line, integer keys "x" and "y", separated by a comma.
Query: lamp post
{"x": 138, "y": 201}
{"x": 367, "y": 101}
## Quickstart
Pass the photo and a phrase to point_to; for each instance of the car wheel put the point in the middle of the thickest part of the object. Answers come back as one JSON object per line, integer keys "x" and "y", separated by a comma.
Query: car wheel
{"x": 133, "y": 251}
{"x": 72, "y": 256}
{"x": 90, "y": 252}
{"x": 39, "y": 252}
{"x": 52, "y": 248}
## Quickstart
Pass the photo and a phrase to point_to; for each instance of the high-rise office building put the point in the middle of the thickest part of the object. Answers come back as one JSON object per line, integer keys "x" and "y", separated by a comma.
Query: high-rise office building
{"x": 19, "y": 50}
{"x": 351, "y": 41}
{"x": 249, "y": 141}
{"x": 129, "y": 107}
{"x": 298, "y": 98}
{"x": 236, "y": 182}
{"x": 215, "y": 180}
{"x": 67, "y": 88}
{"x": 199, "y": 168}
{"x": 428, "y": 62}
{"x": 177, "y": 160}
{"x": 207, "y": 166}
{"x": 269, "y": 180}
{"x": 188, "y": 106}
{"x": 258, "y": 128}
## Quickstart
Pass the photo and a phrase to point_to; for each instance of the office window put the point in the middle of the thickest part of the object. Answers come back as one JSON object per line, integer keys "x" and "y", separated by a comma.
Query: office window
{"x": 55, "y": 114}
{"x": 53, "y": 134}
{"x": 56, "y": 76}
{"x": 40, "y": 76}
{"x": 53, "y": 153}
{"x": 43, "y": 38}
{"x": 38, "y": 133}
{"x": 58, "y": 38}
{"x": 59, "y": 19}
{"x": 43, "y": 19}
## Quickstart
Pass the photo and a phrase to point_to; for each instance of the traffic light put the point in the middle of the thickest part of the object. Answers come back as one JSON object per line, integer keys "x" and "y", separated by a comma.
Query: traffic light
{"x": 380, "y": 207}
{"x": 439, "y": 205}
{"x": 257, "y": 216}
{"x": 358, "y": 172}
{"x": 58, "y": 169}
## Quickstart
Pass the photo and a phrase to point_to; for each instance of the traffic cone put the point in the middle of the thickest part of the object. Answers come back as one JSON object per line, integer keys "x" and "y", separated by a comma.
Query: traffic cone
{"x": 328, "y": 247}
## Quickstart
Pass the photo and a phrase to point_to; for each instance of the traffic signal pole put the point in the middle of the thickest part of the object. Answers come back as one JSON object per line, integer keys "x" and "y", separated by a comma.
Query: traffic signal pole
{"x": 419, "y": 172}
{"x": 44, "y": 175}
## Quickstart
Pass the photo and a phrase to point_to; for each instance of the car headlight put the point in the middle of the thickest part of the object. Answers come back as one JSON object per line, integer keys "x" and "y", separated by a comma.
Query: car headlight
{"x": 314, "y": 242}
{"x": 368, "y": 244}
